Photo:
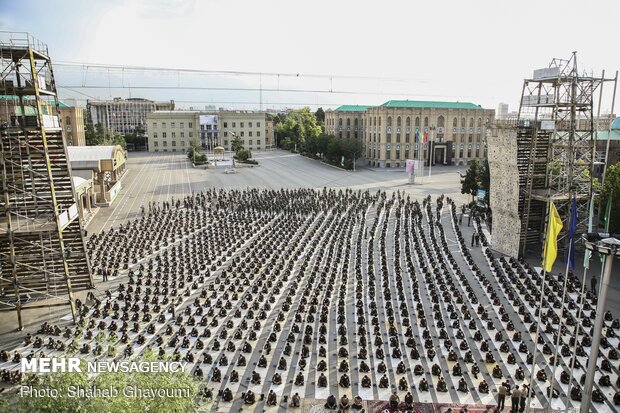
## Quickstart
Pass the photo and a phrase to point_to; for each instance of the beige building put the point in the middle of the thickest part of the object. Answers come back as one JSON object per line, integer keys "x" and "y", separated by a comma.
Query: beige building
{"x": 72, "y": 121}
{"x": 455, "y": 131}
{"x": 172, "y": 131}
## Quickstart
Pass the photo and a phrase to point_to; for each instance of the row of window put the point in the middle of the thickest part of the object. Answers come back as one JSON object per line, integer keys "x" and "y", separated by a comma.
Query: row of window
{"x": 372, "y": 153}
{"x": 173, "y": 135}
{"x": 241, "y": 124}
{"x": 242, "y": 133}
{"x": 173, "y": 125}
{"x": 373, "y": 121}
{"x": 165, "y": 143}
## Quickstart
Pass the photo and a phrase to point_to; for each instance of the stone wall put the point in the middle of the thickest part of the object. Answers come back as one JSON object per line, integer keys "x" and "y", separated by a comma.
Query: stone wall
{"x": 504, "y": 196}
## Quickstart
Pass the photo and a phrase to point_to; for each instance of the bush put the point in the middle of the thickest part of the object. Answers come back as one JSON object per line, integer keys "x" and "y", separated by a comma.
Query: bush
{"x": 243, "y": 155}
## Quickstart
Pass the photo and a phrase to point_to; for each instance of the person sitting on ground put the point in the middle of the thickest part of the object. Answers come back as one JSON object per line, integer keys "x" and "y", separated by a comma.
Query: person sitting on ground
{"x": 295, "y": 400}
{"x": 463, "y": 385}
{"x": 271, "y": 398}
{"x": 483, "y": 387}
{"x": 250, "y": 397}
{"x": 344, "y": 402}
{"x": 441, "y": 385}
{"x": 331, "y": 403}
{"x": 357, "y": 403}
{"x": 423, "y": 386}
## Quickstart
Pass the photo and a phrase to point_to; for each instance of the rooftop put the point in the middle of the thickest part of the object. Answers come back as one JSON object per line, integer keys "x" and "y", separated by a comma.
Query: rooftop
{"x": 429, "y": 104}
{"x": 91, "y": 153}
{"x": 352, "y": 108}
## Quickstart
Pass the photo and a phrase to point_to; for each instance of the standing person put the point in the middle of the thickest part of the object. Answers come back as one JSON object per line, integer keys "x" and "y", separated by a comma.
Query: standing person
{"x": 593, "y": 282}
{"x": 477, "y": 237}
{"x": 501, "y": 398}
{"x": 514, "y": 399}
{"x": 105, "y": 274}
{"x": 473, "y": 237}
{"x": 524, "y": 394}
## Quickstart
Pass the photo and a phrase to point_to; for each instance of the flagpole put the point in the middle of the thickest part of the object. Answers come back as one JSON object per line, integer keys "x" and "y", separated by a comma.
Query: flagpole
{"x": 586, "y": 267}
{"x": 573, "y": 212}
{"x": 531, "y": 390}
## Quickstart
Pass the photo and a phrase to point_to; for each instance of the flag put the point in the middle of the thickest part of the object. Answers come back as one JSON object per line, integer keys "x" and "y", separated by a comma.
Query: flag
{"x": 554, "y": 226}
{"x": 572, "y": 228}
{"x": 425, "y": 136}
{"x": 588, "y": 253}
{"x": 417, "y": 136}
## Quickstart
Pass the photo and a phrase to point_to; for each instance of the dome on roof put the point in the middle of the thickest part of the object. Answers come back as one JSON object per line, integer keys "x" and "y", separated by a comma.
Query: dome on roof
{"x": 615, "y": 125}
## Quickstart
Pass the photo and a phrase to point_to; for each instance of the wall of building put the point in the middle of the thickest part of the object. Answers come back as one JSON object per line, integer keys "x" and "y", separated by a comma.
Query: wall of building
{"x": 124, "y": 115}
{"x": 72, "y": 120}
{"x": 251, "y": 127}
{"x": 504, "y": 191}
{"x": 172, "y": 131}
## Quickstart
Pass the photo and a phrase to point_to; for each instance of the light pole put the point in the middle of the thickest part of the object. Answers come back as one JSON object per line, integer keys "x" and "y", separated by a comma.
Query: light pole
{"x": 431, "y": 151}
{"x": 608, "y": 246}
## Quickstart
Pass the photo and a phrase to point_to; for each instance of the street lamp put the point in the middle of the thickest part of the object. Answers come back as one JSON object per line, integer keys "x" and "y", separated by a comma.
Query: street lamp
{"x": 431, "y": 151}
{"x": 608, "y": 246}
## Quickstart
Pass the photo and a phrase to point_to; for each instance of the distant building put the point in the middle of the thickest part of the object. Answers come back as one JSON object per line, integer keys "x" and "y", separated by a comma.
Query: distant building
{"x": 173, "y": 131}
{"x": 72, "y": 121}
{"x": 124, "y": 115}
{"x": 502, "y": 111}
{"x": 455, "y": 131}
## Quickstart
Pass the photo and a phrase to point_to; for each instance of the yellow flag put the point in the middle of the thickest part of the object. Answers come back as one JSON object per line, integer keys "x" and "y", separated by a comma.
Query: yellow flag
{"x": 551, "y": 243}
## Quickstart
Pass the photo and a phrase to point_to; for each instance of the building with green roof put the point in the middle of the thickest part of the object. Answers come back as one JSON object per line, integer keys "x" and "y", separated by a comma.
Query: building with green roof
{"x": 455, "y": 131}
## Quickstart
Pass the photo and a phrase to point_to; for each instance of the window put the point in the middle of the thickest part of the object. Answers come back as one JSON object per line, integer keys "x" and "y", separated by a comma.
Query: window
{"x": 163, "y": 125}
{"x": 250, "y": 133}
{"x": 174, "y": 143}
{"x": 258, "y": 141}
{"x": 241, "y": 125}
{"x": 182, "y": 125}
{"x": 241, "y": 133}
{"x": 455, "y": 122}
{"x": 225, "y": 124}
{"x": 225, "y": 143}
{"x": 190, "y": 125}
{"x": 174, "y": 135}
{"x": 257, "y": 133}
{"x": 165, "y": 143}
{"x": 426, "y": 121}
{"x": 440, "y": 121}
{"x": 249, "y": 124}
{"x": 182, "y": 143}
{"x": 225, "y": 134}
{"x": 250, "y": 142}
{"x": 408, "y": 122}
{"x": 182, "y": 134}
{"x": 163, "y": 135}
{"x": 172, "y": 125}
{"x": 234, "y": 124}
{"x": 339, "y": 121}
{"x": 417, "y": 122}
{"x": 389, "y": 122}
{"x": 154, "y": 135}
{"x": 155, "y": 144}
{"x": 348, "y": 121}
{"x": 258, "y": 124}
{"x": 191, "y": 134}
{"x": 154, "y": 125}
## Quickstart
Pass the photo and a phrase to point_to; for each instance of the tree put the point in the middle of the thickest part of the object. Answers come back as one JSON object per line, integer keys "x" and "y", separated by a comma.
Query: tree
{"x": 236, "y": 144}
{"x": 471, "y": 181}
{"x": 485, "y": 181}
{"x": 612, "y": 189}
{"x": 301, "y": 127}
{"x": 320, "y": 116}
{"x": 243, "y": 155}
{"x": 90, "y": 135}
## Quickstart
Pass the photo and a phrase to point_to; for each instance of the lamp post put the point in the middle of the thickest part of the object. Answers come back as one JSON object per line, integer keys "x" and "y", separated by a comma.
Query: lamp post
{"x": 609, "y": 246}
{"x": 431, "y": 151}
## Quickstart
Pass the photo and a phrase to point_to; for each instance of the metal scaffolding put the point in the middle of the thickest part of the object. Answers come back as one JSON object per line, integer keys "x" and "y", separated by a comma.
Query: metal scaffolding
{"x": 43, "y": 258}
{"x": 556, "y": 145}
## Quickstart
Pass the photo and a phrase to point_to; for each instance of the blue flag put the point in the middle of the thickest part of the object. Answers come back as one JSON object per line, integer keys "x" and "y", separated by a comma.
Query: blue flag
{"x": 572, "y": 228}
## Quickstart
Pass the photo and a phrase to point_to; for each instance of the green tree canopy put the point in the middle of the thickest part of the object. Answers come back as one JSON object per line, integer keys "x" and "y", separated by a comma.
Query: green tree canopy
{"x": 611, "y": 190}
{"x": 471, "y": 181}
{"x": 300, "y": 126}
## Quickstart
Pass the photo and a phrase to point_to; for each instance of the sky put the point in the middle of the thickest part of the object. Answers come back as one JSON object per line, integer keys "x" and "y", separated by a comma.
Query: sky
{"x": 318, "y": 53}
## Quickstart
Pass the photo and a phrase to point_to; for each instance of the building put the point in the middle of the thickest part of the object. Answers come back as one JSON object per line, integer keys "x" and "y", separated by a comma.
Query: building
{"x": 104, "y": 166}
{"x": 250, "y": 126}
{"x": 455, "y": 131}
{"x": 345, "y": 121}
{"x": 502, "y": 111}
{"x": 173, "y": 131}
{"x": 124, "y": 115}
{"x": 72, "y": 121}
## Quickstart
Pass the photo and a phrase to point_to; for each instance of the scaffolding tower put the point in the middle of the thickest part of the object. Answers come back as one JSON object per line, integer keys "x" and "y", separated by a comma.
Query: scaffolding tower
{"x": 43, "y": 259}
{"x": 556, "y": 146}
